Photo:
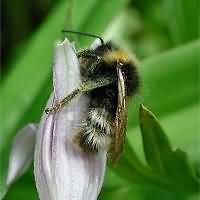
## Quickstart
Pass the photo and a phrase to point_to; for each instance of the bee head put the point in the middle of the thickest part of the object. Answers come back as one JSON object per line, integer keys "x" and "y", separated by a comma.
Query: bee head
{"x": 110, "y": 57}
{"x": 104, "y": 49}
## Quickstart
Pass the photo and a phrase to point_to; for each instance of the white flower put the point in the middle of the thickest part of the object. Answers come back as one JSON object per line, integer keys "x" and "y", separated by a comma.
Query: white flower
{"x": 62, "y": 170}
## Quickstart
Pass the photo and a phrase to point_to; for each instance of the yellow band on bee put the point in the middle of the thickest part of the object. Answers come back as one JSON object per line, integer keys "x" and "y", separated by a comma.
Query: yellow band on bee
{"x": 118, "y": 55}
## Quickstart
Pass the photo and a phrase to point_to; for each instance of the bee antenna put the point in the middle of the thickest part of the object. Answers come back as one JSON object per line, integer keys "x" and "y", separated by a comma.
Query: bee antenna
{"x": 86, "y": 34}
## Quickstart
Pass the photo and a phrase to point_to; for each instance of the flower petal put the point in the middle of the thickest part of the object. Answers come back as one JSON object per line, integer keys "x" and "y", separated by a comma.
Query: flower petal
{"x": 66, "y": 68}
{"x": 22, "y": 152}
{"x": 81, "y": 174}
{"x": 96, "y": 44}
{"x": 62, "y": 170}
{"x": 42, "y": 160}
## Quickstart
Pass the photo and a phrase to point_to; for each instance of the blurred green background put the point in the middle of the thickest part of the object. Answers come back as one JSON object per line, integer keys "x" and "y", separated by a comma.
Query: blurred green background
{"x": 163, "y": 34}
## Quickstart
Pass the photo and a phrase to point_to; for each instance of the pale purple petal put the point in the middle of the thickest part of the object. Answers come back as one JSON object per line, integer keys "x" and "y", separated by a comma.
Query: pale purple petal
{"x": 96, "y": 44}
{"x": 65, "y": 70}
{"x": 62, "y": 170}
{"x": 22, "y": 152}
{"x": 80, "y": 173}
{"x": 42, "y": 161}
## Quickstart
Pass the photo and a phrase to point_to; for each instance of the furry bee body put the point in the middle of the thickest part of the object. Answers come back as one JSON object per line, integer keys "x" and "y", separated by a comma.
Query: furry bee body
{"x": 97, "y": 132}
{"x": 109, "y": 78}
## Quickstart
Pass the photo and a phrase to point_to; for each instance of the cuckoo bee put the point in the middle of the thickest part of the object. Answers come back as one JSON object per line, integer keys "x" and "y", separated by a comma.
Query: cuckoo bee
{"x": 109, "y": 78}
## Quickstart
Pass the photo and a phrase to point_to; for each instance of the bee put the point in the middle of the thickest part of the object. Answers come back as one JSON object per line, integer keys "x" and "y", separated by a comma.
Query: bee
{"x": 109, "y": 78}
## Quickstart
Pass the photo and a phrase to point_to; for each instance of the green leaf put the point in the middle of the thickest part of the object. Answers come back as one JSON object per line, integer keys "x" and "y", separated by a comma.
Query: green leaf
{"x": 155, "y": 142}
{"x": 129, "y": 162}
{"x": 172, "y": 165}
{"x": 188, "y": 142}
{"x": 139, "y": 191}
{"x": 183, "y": 20}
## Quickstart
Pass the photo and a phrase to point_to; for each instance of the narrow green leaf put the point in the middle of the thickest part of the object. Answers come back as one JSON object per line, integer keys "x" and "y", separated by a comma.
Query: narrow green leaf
{"x": 140, "y": 192}
{"x": 155, "y": 142}
{"x": 132, "y": 170}
{"x": 172, "y": 165}
{"x": 130, "y": 163}
{"x": 182, "y": 20}
{"x": 177, "y": 133}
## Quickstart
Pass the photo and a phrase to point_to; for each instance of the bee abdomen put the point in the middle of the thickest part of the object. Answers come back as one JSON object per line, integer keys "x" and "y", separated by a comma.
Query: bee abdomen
{"x": 96, "y": 131}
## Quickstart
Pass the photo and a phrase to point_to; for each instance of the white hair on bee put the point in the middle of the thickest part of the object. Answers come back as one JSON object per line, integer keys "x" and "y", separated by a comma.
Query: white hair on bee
{"x": 95, "y": 141}
{"x": 99, "y": 116}
{"x": 96, "y": 131}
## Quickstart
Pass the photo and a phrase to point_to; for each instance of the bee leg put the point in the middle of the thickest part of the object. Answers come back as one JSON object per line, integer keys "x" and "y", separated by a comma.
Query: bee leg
{"x": 63, "y": 102}
{"x": 84, "y": 87}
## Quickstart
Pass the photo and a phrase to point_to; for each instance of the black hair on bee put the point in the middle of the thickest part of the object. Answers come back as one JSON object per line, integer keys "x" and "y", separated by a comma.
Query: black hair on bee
{"x": 97, "y": 132}
{"x": 105, "y": 125}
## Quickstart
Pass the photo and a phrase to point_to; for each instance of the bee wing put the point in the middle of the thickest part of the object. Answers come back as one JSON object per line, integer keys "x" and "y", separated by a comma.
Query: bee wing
{"x": 120, "y": 120}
